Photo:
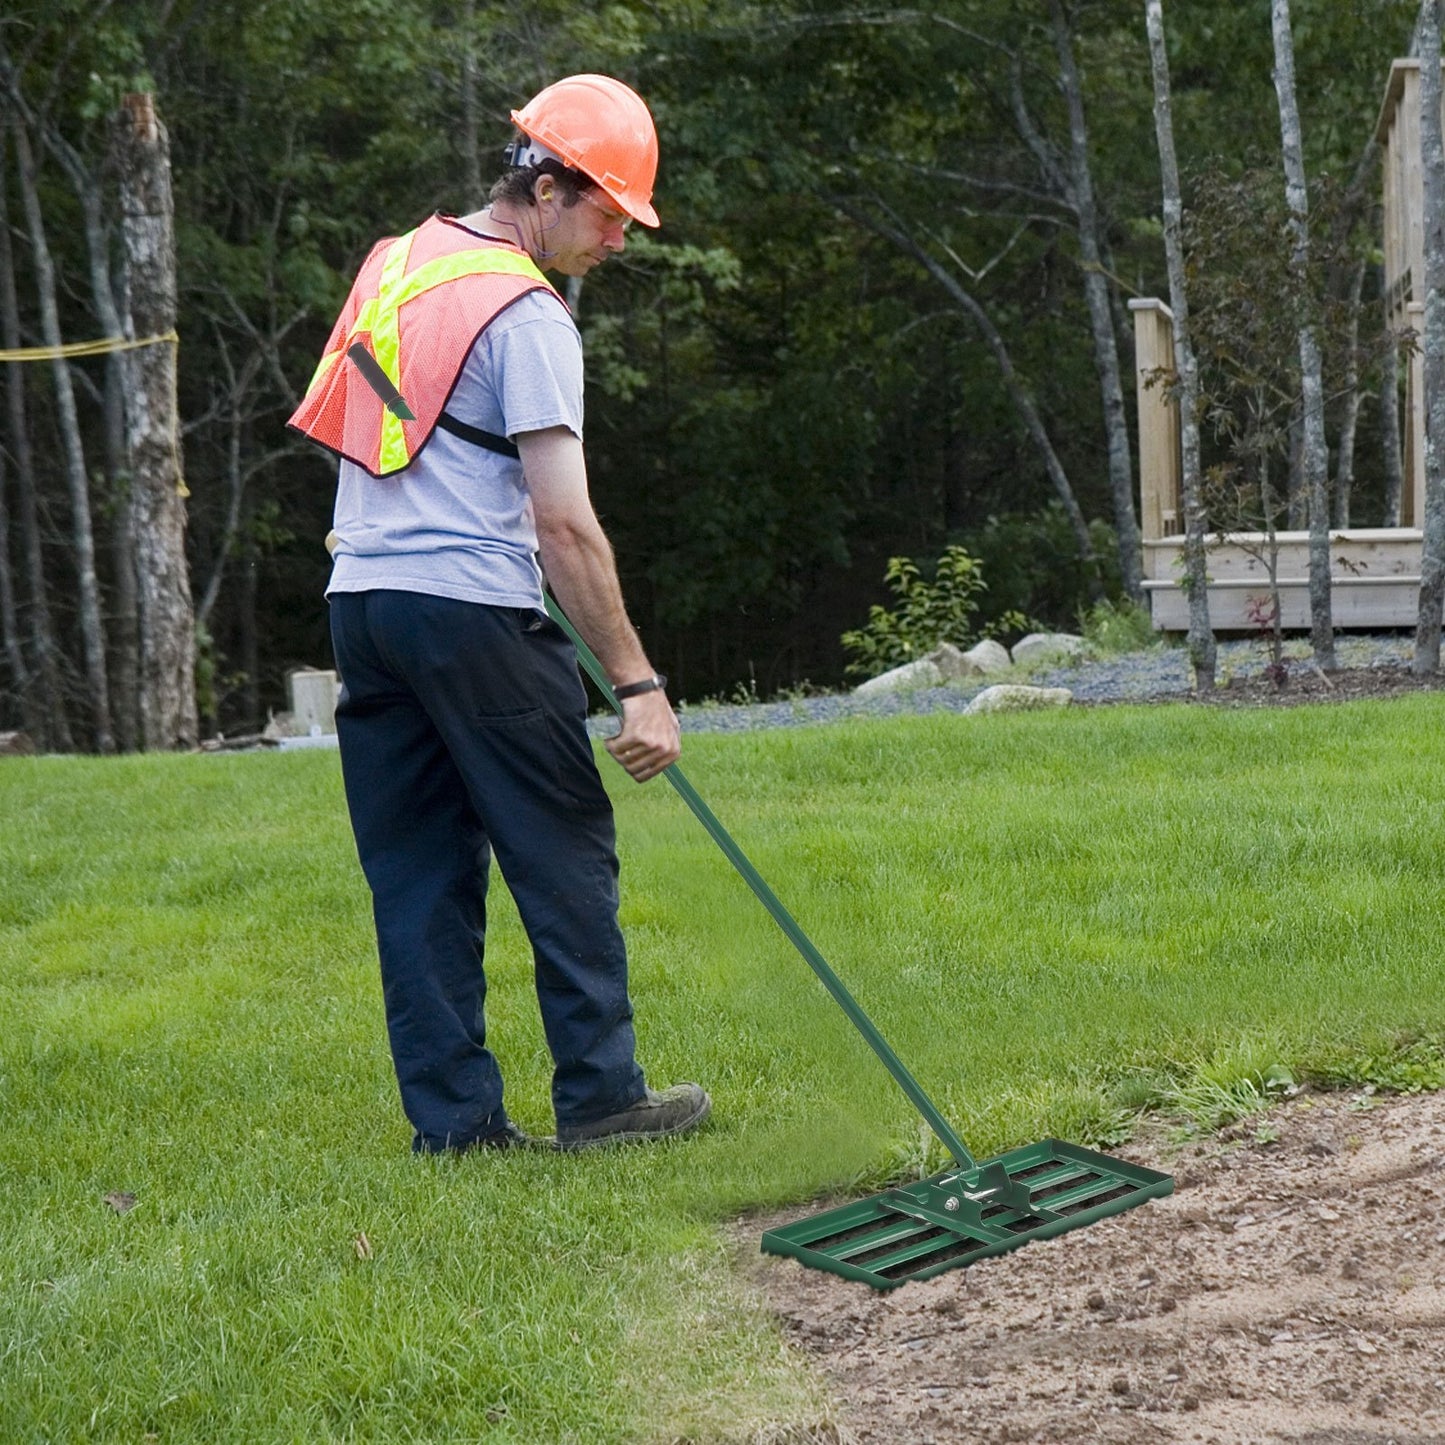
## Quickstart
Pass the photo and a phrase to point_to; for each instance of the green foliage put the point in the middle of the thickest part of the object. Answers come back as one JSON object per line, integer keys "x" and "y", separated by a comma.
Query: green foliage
{"x": 1111, "y": 627}
{"x": 1031, "y": 562}
{"x": 927, "y": 611}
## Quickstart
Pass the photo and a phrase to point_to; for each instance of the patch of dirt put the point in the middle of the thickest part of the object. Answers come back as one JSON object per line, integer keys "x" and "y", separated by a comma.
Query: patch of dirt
{"x": 1304, "y": 683}
{"x": 1291, "y": 1290}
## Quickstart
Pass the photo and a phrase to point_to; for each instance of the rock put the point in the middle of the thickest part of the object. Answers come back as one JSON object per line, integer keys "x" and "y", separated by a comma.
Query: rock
{"x": 953, "y": 663}
{"x": 1048, "y": 646}
{"x": 1013, "y": 697}
{"x": 278, "y": 725}
{"x": 989, "y": 657}
{"x": 923, "y": 673}
{"x": 16, "y": 745}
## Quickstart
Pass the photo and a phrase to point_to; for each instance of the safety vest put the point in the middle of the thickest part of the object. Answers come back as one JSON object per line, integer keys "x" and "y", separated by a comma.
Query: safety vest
{"x": 418, "y": 305}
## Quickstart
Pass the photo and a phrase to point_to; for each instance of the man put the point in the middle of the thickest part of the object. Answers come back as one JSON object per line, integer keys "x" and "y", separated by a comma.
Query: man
{"x": 452, "y": 390}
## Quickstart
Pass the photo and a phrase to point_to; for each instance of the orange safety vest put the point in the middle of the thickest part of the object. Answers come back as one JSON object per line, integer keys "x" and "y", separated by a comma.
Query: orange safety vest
{"x": 418, "y": 304}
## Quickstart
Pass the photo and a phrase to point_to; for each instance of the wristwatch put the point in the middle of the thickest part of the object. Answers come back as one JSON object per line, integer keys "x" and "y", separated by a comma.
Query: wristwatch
{"x": 655, "y": 683}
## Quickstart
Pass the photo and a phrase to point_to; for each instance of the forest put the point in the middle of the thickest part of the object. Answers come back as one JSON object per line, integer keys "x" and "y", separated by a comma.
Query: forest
{"x": 885, "y": 314}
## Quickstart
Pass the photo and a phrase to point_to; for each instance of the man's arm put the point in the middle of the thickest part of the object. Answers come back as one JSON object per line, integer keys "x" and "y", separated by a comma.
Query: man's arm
{"x": 577, "y": 559}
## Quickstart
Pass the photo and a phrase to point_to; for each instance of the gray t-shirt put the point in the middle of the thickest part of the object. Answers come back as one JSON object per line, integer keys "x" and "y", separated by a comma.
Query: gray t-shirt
{"x": 458, "y": 521}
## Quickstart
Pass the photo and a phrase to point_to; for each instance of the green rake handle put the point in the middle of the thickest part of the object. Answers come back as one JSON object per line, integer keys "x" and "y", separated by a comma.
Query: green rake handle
{"x": 784, "y": 919}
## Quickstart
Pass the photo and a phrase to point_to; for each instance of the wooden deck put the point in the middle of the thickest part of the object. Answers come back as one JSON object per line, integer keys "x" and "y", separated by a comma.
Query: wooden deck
{"x": 1376, "y": 579}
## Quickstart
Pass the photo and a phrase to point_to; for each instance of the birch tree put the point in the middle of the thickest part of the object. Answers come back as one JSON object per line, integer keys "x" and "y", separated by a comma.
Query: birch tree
{"x": 1432, "y": 147}
{"x": 87, "y": 180}
{"x": 1314, "y": 447}
{"x": 82, "y": 528}
{"x": 1390, "y": 417}
{"x": 1081, "y": 198}
{"x": 9, "y": 616}
{"x": 48, "y": 719}
{"x": 1196, "y": 576}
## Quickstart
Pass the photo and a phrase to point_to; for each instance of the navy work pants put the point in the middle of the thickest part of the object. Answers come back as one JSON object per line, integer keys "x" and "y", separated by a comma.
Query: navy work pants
{"x": 462, "y": 732}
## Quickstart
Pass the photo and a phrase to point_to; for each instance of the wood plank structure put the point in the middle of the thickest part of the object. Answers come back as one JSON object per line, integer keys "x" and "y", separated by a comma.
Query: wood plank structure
{"x": 1376, "y": 570}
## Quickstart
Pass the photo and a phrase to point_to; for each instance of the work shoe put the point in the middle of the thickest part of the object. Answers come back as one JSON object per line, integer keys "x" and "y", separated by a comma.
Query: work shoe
{"x": 507, "y": 1137}
{"x": 654, "y": 1116}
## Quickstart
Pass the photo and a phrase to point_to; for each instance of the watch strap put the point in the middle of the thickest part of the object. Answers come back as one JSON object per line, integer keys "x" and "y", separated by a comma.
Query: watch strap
{"x": 655, "y": 683}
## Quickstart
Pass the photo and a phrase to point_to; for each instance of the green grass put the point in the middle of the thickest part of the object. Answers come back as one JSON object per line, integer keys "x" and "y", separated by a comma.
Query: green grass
{"x": 1057, "y": 920}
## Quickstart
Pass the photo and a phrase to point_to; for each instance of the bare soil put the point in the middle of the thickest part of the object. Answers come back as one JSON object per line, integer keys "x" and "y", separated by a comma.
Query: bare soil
{"x": 1291, "y": 1289}
{"x": 1304, "y": 683}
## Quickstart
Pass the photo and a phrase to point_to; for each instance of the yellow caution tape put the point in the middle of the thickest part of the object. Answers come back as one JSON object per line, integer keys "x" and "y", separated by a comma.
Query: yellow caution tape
{"x": 86, "y": 348}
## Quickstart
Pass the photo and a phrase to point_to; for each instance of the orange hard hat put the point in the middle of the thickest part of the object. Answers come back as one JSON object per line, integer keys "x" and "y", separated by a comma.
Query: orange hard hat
{"x": 602, "y": 128}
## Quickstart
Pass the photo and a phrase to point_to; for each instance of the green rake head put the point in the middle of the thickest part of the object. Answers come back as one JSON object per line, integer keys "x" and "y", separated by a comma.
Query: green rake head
{"x": 956, "y": 1217}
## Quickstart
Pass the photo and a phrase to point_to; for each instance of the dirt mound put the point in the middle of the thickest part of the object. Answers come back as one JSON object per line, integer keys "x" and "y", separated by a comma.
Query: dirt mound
{"x": 1292, "y": 1289}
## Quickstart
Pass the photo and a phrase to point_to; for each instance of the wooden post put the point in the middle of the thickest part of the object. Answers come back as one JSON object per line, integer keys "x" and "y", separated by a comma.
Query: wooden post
{"x": 165, "y": 614}
{"x": 313, "y": 700}
{"x": 1159, "y": 460}
{"x": 1413, "y": 501}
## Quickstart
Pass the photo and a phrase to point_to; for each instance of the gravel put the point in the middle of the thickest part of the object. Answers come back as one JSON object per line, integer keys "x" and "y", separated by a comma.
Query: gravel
{"x": 1156, "y": 675}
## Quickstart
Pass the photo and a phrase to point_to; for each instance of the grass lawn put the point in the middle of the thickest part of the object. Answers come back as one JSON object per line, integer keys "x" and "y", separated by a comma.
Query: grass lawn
{"x": 1055, "y": 919}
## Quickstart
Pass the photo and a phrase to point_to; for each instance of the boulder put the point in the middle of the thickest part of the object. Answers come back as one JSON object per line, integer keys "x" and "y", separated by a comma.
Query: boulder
{"x": 923, "y": 673}
{"x": 952, "y": 663}
{"x": 16, "y": 745}
{"x": 1013, "y": 697}
{"x": 1048, "y": 647}
{"x": 989, "y": 657}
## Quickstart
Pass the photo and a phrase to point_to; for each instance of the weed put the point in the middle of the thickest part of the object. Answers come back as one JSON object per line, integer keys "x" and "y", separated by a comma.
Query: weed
{"x": 1114, "y": 628}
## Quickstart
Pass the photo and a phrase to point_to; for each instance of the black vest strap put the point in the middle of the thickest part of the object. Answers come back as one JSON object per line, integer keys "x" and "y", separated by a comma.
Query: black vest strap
{"x": 477, "y": 436}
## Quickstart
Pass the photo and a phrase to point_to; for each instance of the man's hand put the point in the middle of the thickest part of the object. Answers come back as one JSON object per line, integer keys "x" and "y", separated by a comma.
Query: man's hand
{"x": 650, "y": 738}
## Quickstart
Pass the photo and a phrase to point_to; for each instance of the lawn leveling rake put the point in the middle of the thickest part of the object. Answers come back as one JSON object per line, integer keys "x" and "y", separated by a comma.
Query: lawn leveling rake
{"x": 970, "y": 1210}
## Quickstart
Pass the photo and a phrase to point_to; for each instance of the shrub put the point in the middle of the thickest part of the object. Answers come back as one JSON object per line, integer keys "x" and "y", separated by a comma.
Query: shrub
{"x": 926, "y": 613}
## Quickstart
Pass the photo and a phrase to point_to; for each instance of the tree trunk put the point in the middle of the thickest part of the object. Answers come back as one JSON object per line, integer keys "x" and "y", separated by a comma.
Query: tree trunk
{"x": 247, "y": 621}
{"x": 10, "y": 621}
{"x": 44, "y": 703}
{"x": 1312, "y": 385}
{"x": 1101, "y": 320}
{"x": 92, "y": 629}
{"x": 239, "y": 387}
{"x": 1390, "y": 421}
{"x": 1432, "y": 148}
{"x": 1297, "y": 502}
{"x": 167, "y": 622}
{"x": 125, "y": 633}
{"x": 472, "y": 182}
{"x": 1196, "y": 579}
{"x": 1350, "y": 419}
{"x": 121, "y": 612}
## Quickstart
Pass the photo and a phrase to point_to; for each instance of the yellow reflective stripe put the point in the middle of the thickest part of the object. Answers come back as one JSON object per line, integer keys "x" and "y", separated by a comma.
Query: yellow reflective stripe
{"x": 380, "y": 315}
{"x": 386, "y": 347}
{"x": 442, "y": 269}
{"x": 322, "y": 368}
